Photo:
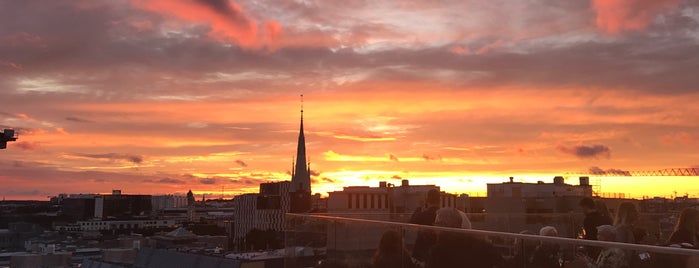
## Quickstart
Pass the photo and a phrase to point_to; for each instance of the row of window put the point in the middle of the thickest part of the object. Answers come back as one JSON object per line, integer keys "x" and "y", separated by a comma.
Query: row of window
{"x": 93, "y": 223}
{"x": 367, "y": 201}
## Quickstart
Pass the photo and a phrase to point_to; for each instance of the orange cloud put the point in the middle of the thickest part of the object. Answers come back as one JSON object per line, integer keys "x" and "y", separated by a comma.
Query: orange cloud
{"x": 615, "y": 16}
{"x": 678, "y": 138}
{"x": 228, "y": 22}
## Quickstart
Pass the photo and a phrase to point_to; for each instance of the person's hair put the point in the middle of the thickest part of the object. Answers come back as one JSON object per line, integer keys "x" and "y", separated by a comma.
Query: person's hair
{"x": 602, "y": 209}
{"x": 626, "y": 213}
{"x": 688, "y": 220}
{"x": 587, "y": 202}
{"x": 607, "y": 231}
{"x": 391, "y": 244}
{"x": 548, "y": 231}
{"x": 433, "y": 197}
{"x": 448, "y": 217}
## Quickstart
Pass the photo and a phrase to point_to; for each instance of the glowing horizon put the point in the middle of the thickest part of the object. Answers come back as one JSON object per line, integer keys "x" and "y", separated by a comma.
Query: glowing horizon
{"x": 163, "y": 96}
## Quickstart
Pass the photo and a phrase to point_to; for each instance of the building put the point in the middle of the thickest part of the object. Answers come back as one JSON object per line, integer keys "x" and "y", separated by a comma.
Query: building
{"x": 385, "y": 199}
{"x": 161, "y": 202}
{"x": 515, "y": 206}
{"x": 245, "y": 219}
{"x": 540, "y": 189}
{"x": 118, "y": 206}
{"x": 108, "y": 225}
{"x": 266, "y": 210}
{"x": 263, "y": 211}
{"x": 115, "y": 206}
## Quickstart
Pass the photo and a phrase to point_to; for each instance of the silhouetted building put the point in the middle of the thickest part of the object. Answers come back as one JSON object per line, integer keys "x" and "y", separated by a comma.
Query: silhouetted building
{"x": 114, "y": 206}
{"x": 160, "y": 202}
{"x": 78, "y": 209}
{"x": 263, "y": 211}
{"x": 386, "y": 198}
{"x": 190, "y": 206}
{"x": 123, "y": 206}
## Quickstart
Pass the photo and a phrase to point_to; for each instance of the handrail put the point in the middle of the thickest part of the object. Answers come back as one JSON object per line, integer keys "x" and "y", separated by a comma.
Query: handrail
{"x": 560, "y": 240}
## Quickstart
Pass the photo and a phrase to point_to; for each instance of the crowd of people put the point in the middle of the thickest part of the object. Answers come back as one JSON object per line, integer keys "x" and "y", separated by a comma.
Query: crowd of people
{"x": 444, "y": 248}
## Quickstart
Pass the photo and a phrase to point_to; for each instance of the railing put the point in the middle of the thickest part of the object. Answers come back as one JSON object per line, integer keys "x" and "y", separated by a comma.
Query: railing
{"x": 333, "y": 241}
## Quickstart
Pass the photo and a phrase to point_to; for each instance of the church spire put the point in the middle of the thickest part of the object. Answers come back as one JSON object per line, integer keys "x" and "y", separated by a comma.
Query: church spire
{"x": 301, "y": 179}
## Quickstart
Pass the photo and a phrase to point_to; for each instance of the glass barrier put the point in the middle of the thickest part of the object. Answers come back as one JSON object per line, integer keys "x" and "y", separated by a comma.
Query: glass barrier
{"x": 366, "y": 240}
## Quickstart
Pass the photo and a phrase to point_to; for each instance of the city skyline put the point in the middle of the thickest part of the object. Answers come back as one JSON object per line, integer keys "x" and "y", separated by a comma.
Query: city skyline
{"x": 152, "y": 96}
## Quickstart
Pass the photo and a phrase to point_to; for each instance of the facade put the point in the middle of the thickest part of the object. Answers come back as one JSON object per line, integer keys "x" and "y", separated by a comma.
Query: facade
{"x": 263, "y": 211}
{"x": 161, "y": 202}
{"x": 114, "y": 206}
{"x": 540, "y": 189}
{"x": 515, "y": 206}
{"x": 386, "y": 198}
{"x": 245, "y": 207}
{"x": 118, "y": 206}
{"x": 78, "y": 208}
{"x": 123, "y": 224}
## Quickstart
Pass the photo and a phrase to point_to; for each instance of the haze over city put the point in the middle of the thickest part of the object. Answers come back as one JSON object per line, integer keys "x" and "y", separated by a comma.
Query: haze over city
{"x": 164, "y": 96}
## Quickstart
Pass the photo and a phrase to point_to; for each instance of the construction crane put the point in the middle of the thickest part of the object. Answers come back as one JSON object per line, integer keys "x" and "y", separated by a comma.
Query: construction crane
{"x": 7, "y": 136}
{"x": 689, "y": 171}
{"x": 598, "y": 172}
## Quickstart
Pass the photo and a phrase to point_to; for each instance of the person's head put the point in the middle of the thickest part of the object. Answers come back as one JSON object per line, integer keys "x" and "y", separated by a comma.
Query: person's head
{"x": 548, "y": 231}
{"x": 606, "y": 233}
{"x": 689, "y": 220}
{"x": 391, "y": 242}
{"x": 587, "y": 204}
{"x": 626, "y": 214}
{"x": 601, "y": 207}
{"x": 448, "y": 217}
{"x": 432, "y": 199}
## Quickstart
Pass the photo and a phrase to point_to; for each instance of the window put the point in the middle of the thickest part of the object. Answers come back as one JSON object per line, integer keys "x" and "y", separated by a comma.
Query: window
{"x": 372, "y": 200}
{"x": 349, "y": 201}
{"x": 364, "y": 196}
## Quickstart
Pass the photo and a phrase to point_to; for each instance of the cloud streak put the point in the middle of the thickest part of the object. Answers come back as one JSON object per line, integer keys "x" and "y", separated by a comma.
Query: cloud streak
{"x": 583, "y": 151}
{"x": 136, "y": 159}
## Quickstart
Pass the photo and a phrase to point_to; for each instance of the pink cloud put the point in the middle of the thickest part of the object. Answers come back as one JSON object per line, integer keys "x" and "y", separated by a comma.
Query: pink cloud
{"x": 615, "y": 16}
{"x": 23, "y": 39}
{"x": 27, "y": 145}
{"x": 228, "y": 22}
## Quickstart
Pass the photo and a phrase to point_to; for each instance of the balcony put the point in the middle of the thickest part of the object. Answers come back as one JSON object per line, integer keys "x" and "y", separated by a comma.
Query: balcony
{"x": 352, "y": 240}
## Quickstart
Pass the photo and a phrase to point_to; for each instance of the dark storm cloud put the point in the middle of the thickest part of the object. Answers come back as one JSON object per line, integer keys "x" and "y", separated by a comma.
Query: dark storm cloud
{"x": 241, "y": 163}
{"x": 136, "y": 159}
{"x": 583, "y": 151}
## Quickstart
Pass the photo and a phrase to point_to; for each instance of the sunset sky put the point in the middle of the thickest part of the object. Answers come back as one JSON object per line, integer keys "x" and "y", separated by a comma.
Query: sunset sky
{"x": 163, "y": 96}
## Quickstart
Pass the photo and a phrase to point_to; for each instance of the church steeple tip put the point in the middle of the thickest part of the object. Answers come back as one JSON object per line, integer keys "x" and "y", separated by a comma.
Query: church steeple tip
{"x": 301, "y": 178}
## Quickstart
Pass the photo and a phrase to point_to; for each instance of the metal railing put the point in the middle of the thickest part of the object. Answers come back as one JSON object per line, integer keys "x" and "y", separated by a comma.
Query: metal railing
{"x": 329, "y": 241}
